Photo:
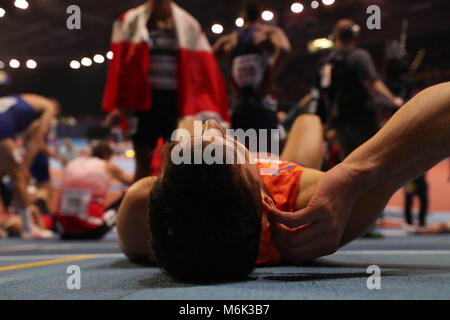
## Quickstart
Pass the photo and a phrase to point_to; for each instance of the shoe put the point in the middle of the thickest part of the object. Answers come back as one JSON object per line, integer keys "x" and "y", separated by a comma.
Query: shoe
{"x": 409, "y": 228}
{"x": 37, "y": 233}
{"x": 421, "y": 229}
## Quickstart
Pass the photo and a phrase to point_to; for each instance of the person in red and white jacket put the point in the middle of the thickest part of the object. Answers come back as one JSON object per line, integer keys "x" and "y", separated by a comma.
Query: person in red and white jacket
{"x": 162, "y": 71}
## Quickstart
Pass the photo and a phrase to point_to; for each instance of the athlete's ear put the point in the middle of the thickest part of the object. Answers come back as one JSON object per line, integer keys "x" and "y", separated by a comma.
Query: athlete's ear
{"x": 267, "y": 202}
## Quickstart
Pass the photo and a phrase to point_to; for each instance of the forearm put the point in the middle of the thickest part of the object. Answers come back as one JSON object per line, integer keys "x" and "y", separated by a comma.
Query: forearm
{"x": 382, "y": 90}
{"x": 415, "y": 138}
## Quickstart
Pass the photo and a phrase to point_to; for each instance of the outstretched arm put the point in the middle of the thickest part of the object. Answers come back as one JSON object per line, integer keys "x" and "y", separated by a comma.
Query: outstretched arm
{"x": 119, "y": 174}
{"x": 225, "y": 45}
{"x": 348, "y": 198}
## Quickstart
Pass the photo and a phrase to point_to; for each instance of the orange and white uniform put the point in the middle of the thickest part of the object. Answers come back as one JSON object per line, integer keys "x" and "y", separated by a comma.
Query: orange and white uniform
{"x": 282, "y": 180}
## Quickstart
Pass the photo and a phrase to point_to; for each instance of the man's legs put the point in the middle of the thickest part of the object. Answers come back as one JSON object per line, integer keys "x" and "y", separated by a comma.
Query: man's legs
{"x": 10, "y": 164}
{"x": 354, "y": 132}
{"x": 408, "y": 206}
{"x": 422, "y": 192}
{"x": 305, "y": 142}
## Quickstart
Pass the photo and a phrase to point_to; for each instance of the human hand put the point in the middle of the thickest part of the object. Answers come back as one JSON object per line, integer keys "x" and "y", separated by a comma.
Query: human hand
{"x": 317, "y": 230}
{"x": 113, "y": 117}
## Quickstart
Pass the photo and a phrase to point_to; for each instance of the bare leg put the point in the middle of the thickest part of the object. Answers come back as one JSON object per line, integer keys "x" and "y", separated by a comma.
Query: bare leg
{"x": 305, "y": 142}
{"x": 10, "y": 164}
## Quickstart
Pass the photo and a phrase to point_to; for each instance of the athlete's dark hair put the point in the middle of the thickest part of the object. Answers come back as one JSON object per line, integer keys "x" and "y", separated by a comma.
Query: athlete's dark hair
{"x": 345, "y": 30}
{"x": 252, "y": 12}
{"x": 102, "y": 151}
{"x": 205, "y": 221}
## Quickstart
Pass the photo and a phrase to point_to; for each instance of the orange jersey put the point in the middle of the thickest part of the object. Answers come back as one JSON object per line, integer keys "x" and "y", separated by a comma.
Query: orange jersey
{"x": 282, "y": 180}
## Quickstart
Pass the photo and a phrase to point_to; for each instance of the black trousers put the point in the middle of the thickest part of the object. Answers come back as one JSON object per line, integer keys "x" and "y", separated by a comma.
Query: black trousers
{"x": 250, "y": 113}
{"x": 420, "y": 188}
{"x": 355, "y": 131}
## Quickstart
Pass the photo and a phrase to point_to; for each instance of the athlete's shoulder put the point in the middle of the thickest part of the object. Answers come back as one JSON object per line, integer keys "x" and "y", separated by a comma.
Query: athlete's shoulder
{"x": 141, "y": 189}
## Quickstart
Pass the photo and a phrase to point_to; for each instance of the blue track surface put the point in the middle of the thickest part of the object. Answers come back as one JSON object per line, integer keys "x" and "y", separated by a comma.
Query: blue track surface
{"x": 412, "y": 267}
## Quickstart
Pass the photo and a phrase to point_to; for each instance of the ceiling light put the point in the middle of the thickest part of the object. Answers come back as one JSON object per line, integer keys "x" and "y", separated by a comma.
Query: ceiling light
{"x": 31, "y": 64}
{"x": 267, "y": 15}
{"x": 87, "y": 62}
{"x": 14, "y": 63}
{"x": 98, "y": 58}
{"x": 217, "y": 28}
{"x": 239, "y": 22}
{"x": 74, "y": 64}
{"x": 297, "y": 7}
{"x": 21, "y": 4}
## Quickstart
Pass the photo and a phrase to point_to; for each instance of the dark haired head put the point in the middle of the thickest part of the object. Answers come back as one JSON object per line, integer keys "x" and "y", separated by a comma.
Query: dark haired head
{"x": 102, "y": 151}
{"x": 252, "y": 12}
{"x": 205, "y": 221}
{"x": 345, "y": 31}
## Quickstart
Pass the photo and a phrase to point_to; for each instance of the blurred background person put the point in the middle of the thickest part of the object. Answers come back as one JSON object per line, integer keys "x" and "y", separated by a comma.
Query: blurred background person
{"x": 17, "y": 114}
{"x": 81, "y": 211}
{"x": 67, "y": 150}
{"x": 257, "y": 51}
{"x": 170, "y": 71}
{"x": 351, "y": 86}
{"x": 418, "y": 187}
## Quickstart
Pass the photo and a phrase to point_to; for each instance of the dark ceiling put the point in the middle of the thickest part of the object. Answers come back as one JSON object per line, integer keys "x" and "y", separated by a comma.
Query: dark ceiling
{"x": 40, "y": 32}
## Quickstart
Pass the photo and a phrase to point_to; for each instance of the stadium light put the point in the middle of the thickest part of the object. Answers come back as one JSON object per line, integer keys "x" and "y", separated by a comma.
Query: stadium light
{"x": 109, "y": 55}
{"x": 315, "y": 4}
{"x": 98, "y": 58}
{"x": 21, "y": 4}
{"x": 297, "y": 7}
{"x": 328, "y": 2}
{"x": 2, "y": 65}
{"x": 87, "y": 62}
{"x": 267, "y": 15}
{"x": 217, "y": 28}
{"x": 239, "y": 22}
{"x": 31, "y": 64}
{"x": 14, "y": 63}
{"x": 319, "y": 44}
{"x": 74, "y": 64}
{"x": 2, "y": 12}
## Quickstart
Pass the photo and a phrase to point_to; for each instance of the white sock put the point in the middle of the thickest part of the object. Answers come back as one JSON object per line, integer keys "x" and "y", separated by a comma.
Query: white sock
{"x": 27, "y": 219}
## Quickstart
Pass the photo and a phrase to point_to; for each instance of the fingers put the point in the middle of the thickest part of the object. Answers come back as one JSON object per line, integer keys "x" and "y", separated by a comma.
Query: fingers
{"x": 293, "y": 219}
{"x": 303, "y": 244}
{"x": 286, "y": 237}
{"x": 315, "y": 249}
{"x": 303, "y": 235}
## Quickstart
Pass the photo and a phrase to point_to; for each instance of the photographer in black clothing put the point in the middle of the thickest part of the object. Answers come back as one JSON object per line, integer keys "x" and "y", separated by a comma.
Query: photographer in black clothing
{"x": 350, "y": 86}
